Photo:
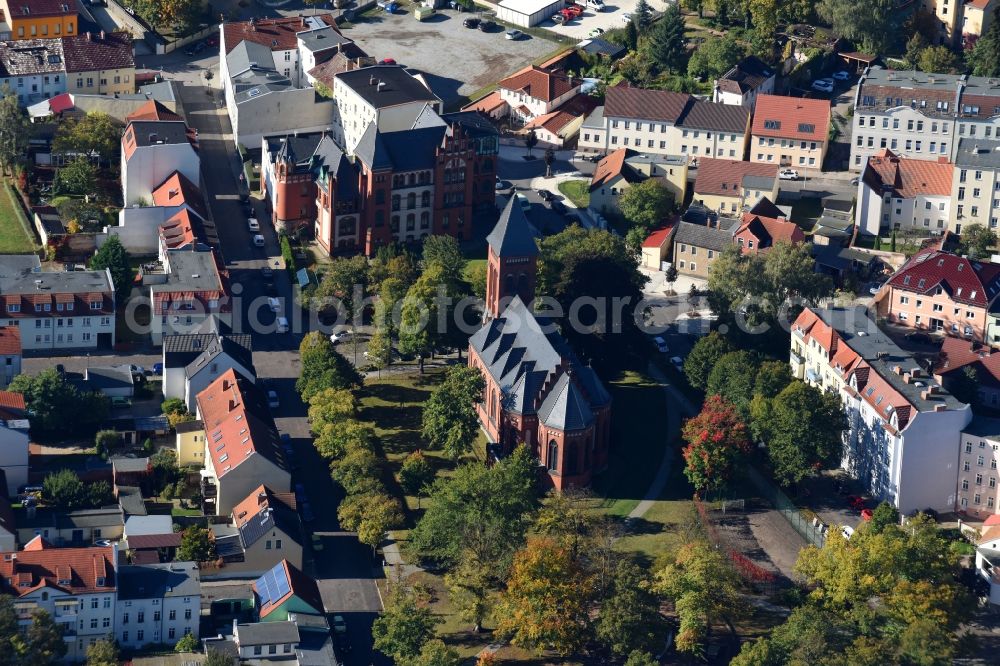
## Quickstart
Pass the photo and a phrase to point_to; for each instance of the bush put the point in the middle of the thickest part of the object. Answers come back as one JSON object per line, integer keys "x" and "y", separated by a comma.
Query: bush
{"x": 288, "y": 255}
{"x": 187, "y": 643}
{"x": 107, "y": 441}
{"x": 173, "y": 406}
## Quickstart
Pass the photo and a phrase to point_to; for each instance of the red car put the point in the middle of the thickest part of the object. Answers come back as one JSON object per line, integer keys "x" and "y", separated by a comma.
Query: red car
{"x": 387, "y": 61}
{"x": 866, "y": 514}
{"x": 856, "y": 503}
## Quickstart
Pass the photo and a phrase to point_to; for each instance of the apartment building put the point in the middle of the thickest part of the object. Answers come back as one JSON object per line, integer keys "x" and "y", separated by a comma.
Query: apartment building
{"x": 10, "y": 354}
{"x": 263, "y": 531}
{"x": 943, "y": 293}
{"x": 76, "y": 586}
{"x": 790, "y": 131}
{"x": 977, "y": 17}
{"x": 14, "y": 426}
{"x": 242, "y": 449}
{"x": 152, "y": 150}
{"x": 535, "y": 91}
{"x": 921, "y": 115}
{"x": 660, "y": 122}
{"x": 897, "y": 193}
{"x": 157, "y": 603}
{"x": 728, "y": 186}
{"x": 978, "y": 476}
{"x": 57, "y": 310}
{"x": 33, "y": 68}
{"x": 187, "y": 288}
{"x": 975, "y": 190}
{"x": 902, "y": 440}
{"x": 28, "y": 19}
{"x": 949, "y": 15}
{"x": 742, "y": 84}
{"x": 959, "y": 356}
{"x": 101, "y": 63}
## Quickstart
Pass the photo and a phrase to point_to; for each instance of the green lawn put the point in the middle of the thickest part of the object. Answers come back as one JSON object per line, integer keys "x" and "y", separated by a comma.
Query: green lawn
{"x": 577, "y": 191}
{"x": 14, "y": 238}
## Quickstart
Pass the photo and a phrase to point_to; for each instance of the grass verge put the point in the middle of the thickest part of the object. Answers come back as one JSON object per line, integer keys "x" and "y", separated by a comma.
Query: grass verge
{"x": 577, "y": 191}
{"x": 15, "y": 234}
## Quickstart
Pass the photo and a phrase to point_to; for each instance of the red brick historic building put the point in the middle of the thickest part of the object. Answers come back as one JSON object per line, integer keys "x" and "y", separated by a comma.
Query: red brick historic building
{"x": 538, "y": 393}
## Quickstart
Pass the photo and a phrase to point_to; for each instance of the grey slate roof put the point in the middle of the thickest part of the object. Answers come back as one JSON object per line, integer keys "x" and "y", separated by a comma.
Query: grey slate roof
{"x": 701, "y": 236}
{"x": 978, "y": 153}
{"x": 109, "y": 377}
{"x": 406, "y": 150}
{"x": 748, "y": 74}
{"x": 597, "y": 46}
{"x": 512, "y": 236}
{"x": 110, "y": 516}
{"x": 122, "y": 464}
{"x": 155, "y": 132}
{"x": 564, "y": 408}
{"x": 267, "y": 633}
{"x": 219, "y": 346}
{"x": 156, "y": 581}
{"x": 321, "y": 39}
{"x": 17, "y": 277}
{"x": 130, "y": 501}
{"x": 700, "y": 114}
{"x": 399, "y": 86}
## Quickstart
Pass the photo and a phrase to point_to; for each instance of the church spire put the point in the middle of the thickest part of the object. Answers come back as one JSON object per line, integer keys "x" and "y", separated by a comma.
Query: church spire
{"x": 513, "y": 258}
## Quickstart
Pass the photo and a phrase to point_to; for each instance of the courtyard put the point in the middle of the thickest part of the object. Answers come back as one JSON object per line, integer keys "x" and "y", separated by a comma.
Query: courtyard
{"x": 456, "y": 61}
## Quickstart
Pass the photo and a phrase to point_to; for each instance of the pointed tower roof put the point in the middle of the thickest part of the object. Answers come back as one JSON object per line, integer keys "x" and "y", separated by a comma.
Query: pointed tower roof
{"x": 565, "y": 408}
{"x": 512, "y": 236}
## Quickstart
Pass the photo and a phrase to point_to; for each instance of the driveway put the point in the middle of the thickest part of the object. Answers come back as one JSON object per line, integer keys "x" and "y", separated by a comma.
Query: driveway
{"x": 456, "y": 60}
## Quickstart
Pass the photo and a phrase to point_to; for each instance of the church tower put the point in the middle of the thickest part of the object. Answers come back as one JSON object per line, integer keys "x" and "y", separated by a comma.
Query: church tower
{"x": 513, "y": 260}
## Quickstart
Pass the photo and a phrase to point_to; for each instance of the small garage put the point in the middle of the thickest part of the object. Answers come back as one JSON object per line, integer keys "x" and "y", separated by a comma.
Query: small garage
{"x": 527, "y": 13}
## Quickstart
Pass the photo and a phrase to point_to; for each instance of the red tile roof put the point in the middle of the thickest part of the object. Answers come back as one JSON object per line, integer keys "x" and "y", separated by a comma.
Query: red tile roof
{"x": 153, "y": 541}
{"x": 539, "y": 83}
{"x": 179, "y": 231}
{"x": 152, "y": 110}
{"x": 795, "y": 118}
{"x": 10, "y": 340}
{"x": 957, "y": 353}
{"x": 487, "y": 104}
{"x": 261, "y": 499}
{"x": 975, "y": 283}
{"x": 768, "y": 231}
{"x": 299, "y": 585}
{"x": 609, "y": 167}
{"x": 658, "y": 237}
{"x": 89, "y": 52}
{"x": 277, "y": 34}
{"x": 725, "y": 177}
{"x": 908, "y": 178}
{"x": 72, "y": 570}
{"x": 23, "y": 8}
{"x": 178, "y": 190}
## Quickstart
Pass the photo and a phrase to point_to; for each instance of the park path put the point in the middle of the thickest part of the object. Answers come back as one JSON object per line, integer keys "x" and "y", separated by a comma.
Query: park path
{"x": 677, "y": 405}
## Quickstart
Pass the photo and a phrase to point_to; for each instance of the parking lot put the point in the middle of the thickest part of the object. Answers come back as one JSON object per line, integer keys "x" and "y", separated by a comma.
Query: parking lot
{"x": 611, "y": 17}
{"x": 457, "y": 60}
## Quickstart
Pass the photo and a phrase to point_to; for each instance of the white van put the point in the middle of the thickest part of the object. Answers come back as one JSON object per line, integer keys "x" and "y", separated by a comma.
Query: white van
{"x": 282, "y": 325}
{"x": 596, "y": 5}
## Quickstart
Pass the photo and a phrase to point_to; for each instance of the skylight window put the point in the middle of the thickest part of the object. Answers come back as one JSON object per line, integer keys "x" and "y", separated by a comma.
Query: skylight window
{"x": 224, "y": 457}
{"x": 871, "y": 389}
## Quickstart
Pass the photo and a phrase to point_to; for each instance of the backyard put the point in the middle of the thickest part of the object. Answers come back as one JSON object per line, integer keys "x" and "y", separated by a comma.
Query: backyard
{"x": 14, "y": 237}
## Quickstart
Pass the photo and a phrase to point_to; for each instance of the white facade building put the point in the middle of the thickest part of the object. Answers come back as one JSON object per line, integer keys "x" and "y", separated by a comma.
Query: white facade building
{"x": 152, "y": 150}
{"x": 897, "y": 193}
{"x": 157, "y": 603}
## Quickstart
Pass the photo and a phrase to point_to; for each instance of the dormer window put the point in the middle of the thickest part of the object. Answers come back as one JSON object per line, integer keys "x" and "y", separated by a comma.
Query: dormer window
{"x": 95, "y": 305}
{"x": 921, "y": 283}
{"x": 100, "y": 581}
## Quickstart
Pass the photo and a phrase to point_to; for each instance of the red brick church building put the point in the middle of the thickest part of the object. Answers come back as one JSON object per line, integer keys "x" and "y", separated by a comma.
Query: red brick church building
{"x": 538, "y": 393}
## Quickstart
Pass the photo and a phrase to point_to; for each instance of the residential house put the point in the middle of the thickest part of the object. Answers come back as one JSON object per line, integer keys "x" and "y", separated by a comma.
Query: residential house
{"x": 975, "y": 188}
{"x": 537, "y": 391}
{"x": 921, "y": 115}
{"x": 666, "y": 123}
{"x": 619, "y": 170}
{"x": 10, "y": 354}
{"x": 729, "y": 186}
{"x": 988, "y": 558}
{"x": 132, "y": 472}
{"x": 266, "y": 640}
{"x": 157, "y": 603}
{"x": 282, "y": 37}
{"x": 941, "y": 292}
{"x": 790, "y": 131}
{"x": 99, "y": 63}
{"x": 114, "y": 381}
{"x": 763, "y": 226}
{"x": 978, "y": 487}
{"x": 560, "y": 127}
{"x": 839, "y": 261}
{"x": 242, "y": 447}
{"x": 76, "y": 586}
{"x": 180, "y": 351}
{"x": 959, "y": 356}
{"x": 187, "y": 289}
{"x": 284, "y": 590}
{"x": 33, "y": 68}
{"x": 656, "y": 247}
{"x": 152, "y": 151}
{"x": 977, "y": 17}
{"x": 697, "y": 246}
{"x": 899, "y": 193}
{"x": 222, "y": 354}
{"x": 536, "y": 91}
{"x": 70, "y": 528}
{"x": 743, "y": 82}
{"x": 902, "y": 442}
{"x": 601, "y": 48}
{"x": 14, "y": 426}
{"x": 190, "y": 444}
{"x": 28, "y": 19}
{"x": 289, "y": 167}
{"x": 384, "y": 96}
{"x": 264, "y": 530}
{"x": 57, "y": 310}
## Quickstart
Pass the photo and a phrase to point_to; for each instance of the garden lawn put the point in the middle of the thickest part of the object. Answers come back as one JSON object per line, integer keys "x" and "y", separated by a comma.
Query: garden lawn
{"x": 14, "y": 238}
{"x": 577, "y": 191}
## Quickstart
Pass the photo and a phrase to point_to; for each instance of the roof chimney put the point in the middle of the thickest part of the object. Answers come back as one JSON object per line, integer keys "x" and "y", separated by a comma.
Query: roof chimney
{"x": 372, "y": 80}
{"x": 102, "y": 35}
{"x": 381, "y": 86}
{"x": 88, "y": 35}
{"x": 940, "y": 407}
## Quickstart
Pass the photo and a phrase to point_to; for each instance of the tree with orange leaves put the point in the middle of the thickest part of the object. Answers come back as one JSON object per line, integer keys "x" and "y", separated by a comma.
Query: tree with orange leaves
{"x": 716, "y": 439}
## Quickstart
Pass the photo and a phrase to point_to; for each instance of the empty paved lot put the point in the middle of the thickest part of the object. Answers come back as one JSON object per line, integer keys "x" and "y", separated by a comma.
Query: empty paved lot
{"x": 457, "y": 61}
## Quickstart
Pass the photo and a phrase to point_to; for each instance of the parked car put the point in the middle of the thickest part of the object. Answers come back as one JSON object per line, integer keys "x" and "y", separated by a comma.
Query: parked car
{"x": 788, "y": 174}
{"x": 546, "y": 195}
{"x": 842, "y": 75}
{"x": 558, "y": 18}
{"x": 596, "y": 32}
{"x": 596, "y": 5}
{"x": 847, "y": 531}
{"x": 157, "y": 369}
{"x": 300, "y": 492}
{"x": 272, "y": 400}
{"x": 678, "y": 363}
{"x": 307, "y": 513}
{"x": 661, "y": 344}
{"x": 626, "y": 18}
{"x": 340, "y": 633}
{"x": 823, "y": 85}
{"x": 487, "y": 26}
{"x": 317, "y": 542}
{"x": 253, "y": 224}
{"x": 523, "y": 202}
{"x": 513, "y": 34}
{"x": 471, "y": 22}
{"x": 258, "y": 240}
{"x": 281, "y": 325}
{"x": 387, "y": 61}
{"x": 274, "y": 304}
{"x": 137, "y": 370}
{"x": 338, "y": 336}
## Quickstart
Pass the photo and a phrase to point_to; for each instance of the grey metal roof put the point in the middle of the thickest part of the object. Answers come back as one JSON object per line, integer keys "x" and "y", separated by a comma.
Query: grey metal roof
{"x": 702, "y": 236}
{"x": 122, "y": 464}
{"x": 191, "y": 271}
{"x": 862, "y": 335}
{"x": 247, "y": 55}
{"x": 156, "y": 132}
{"x": 983, "y": 426}
{"x": 16, "y": 277}
{"x": 595, "y": 119}
{"x": 840, "y": 258}
{"x": 216, "y": 348}
{"x": 397, "y": 86}
{"x": 109, "y": 377}
{"x": 163, "y": 91}
{"x": 512, "y": 236}
{"x": 753, "y": 182}
{"x": 321, "y": 39}
{"x": 267, "y": 633}
{"x": 564, "y": 408}
{"x": 157, "y": 581}
{"x": 978, "y": 153}
{"x": 597, "y": 46}
{"x": 315, "y": 649}
{"x": 701, "y": 114}
{"x": 130, "y": 500}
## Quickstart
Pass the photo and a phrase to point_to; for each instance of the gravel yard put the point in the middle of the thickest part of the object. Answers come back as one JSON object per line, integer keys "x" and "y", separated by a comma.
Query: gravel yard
{"x": 457, "y": 61}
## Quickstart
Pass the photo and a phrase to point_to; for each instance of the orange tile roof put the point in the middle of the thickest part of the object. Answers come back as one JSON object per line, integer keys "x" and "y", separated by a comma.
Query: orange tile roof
{"x": 152, "y": 110}
{"x": 277, "y": 34}
{"x": 487, "y": 104}
{"x": 795, "y": 118}
{"x": 238, "y": 423}
{"x": 539, "y": 83}
{"x": 261, "y": 499}
{"x": 9, "y": 400}
{"x": 10, "y": 339}
{"x": 72, "y": 570}
{"x": 179, "y": 231}
{"x": 725, "y": 177}
{"x": 178, "y": 190}
{"x": 609, "y": 167}
{"x": 769, "y": 230}
{"x": 908, "y": 178}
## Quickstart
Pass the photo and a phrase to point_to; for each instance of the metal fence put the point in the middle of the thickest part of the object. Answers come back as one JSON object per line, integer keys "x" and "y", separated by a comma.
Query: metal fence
{"x": 813, "y": 533}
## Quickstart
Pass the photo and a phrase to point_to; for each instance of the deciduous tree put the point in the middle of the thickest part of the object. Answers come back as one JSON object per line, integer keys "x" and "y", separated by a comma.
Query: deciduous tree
{"x": 103, "y": 652}
{"x": 336, "y": 440}
{"x": 331, "y": 407}
{"x": 415, "y": 474}
{"x": 983, "y": 59}
{"x": 629, "y": 617}
{"x": 96, "y": 134}
{"x": 114, "y": 257}
{"x": 371, "y": 516}
{"x": 444, "y": 251}
{"x": 734, "y": 378}
{"x": 874, "y": 25}
{"x": 704, "y": 355}
{"x": 49, "y": 398}
{"x": 646, "y": 204}
{"x": 359, "y": 472}
{"x": 14, "y": 129}
{"x": 77, "y": 177}
{"x": 44, "y": 643}
{"x": 977, "y": 241}
{"x": 939, "y": 59}
{"x": 404, "y": 627}
{"x": 716, "y": 439}
{"x": 322, "y": 366}
{"x": 715, "y": 57}
{"x": 196, "y": 546}
{"x": 450, "y": 423}
{"x": 435, "y": 652}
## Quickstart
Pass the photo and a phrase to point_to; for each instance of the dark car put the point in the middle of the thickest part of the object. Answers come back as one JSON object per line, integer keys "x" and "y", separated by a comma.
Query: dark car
{"x": 471, "y": 22}
{"x": 487, "y": 26}
{"x": 594, "y": 158}
{"x": 546, "y": 195}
